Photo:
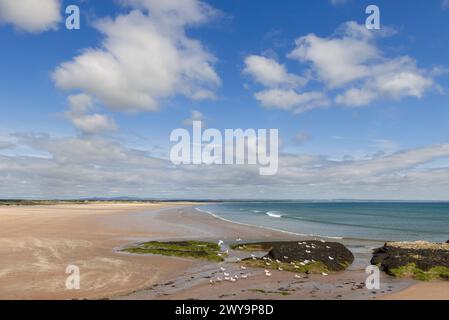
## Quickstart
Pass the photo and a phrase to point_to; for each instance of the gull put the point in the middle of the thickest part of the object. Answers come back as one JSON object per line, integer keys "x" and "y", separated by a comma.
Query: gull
{"x": 227, "y": 251}
{"x": 280, "y": 269}
{"x": 268, "y": 274}
{"x": 211, "y": 281}
{"x": 306, "y": 261}
{"x": 222, "y": 269}
{"x": 267, "y": 271}
{"x": 285, "y": 257}
{"x": 236, "y": 276}
{"x": 226, "y": 274}
{"x": 243, "y": 267}
{"x": 302, "y": 263}
{"x": 323, "y": 241}
{"x": 324, "y": 274}
{"x": 220, "y": 242}
{"x": 227, "y": 278}
{"x": 243, "y": 276}
{"x": 238, "y": 239}
{"x": 233, "y": 279}
{"x": 296, "y": 267}
{"x": 307, "y": 246}
{"x": 253, "y": 257}
{"x": 268, "y": 264}
{"x": 330, "y": 258}
{"x": 297, "y": 276}
{"x": 219, "y": 279}
{"x": 219, "y": 254}
{"x": 308, "y": 251}
{"x": 278, "y": 261}
{"x": 327, "y": 247}
{"x": 265, "y": 258}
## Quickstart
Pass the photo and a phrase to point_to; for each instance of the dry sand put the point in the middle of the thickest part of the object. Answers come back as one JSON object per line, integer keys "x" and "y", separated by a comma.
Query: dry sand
{"x": 37, "y": 243}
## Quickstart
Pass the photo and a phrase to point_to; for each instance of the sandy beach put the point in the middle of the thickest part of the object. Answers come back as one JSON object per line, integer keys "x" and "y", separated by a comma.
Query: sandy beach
{"x": 37, "y": 243}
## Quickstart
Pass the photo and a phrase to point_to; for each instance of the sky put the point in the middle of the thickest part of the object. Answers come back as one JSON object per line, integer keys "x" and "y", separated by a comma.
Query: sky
{"x": 361, "y": 114}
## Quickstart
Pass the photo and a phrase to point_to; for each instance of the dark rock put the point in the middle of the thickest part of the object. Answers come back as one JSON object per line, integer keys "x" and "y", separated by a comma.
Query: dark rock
{"x": 425, "y": 255}
{"x": 334, "y": 255}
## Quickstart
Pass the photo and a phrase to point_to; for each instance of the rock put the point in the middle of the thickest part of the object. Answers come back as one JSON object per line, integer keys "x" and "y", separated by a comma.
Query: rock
{"x": 447, "y": 241}
{"x": 424, "y": 256}
{"x": 334, "y": 255}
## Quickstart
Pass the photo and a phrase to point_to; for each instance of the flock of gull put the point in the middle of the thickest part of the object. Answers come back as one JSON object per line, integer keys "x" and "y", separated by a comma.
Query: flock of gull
{"x": 226, "y": 276}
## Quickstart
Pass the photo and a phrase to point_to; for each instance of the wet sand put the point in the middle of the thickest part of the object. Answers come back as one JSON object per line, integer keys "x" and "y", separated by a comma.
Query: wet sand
{"x": 37, "y": 243}
{"x": 434, "y": 290}
{"x": 195, "y": 282}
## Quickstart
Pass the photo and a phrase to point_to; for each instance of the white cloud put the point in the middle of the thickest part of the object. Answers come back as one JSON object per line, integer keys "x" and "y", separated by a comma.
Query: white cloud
{"x": 393, "y": 79}
{"x": 87, "y": 167}
{"x": 348, "y": 65}
{"x": 338, "y": 2}
{"x": 351, "y": 61}
{"x": 175, "y": 12}
{"x": 337, "y": 61}
{"x": 194, "y": 116}
{"x": 31, "y": 15}
{"x": 88, "y": 123}
{"x": 281, "y": 86}
{"x": 145, "y": 57}
{"x": 289, "y": 99}
{"x": 270, "y": 73}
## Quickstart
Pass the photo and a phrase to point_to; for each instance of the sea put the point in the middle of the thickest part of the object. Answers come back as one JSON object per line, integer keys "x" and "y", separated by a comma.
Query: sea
{"x": 380, "y": 221}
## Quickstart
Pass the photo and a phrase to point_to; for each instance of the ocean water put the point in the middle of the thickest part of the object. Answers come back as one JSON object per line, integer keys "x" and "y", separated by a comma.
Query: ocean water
{"x": 384, "y": 221}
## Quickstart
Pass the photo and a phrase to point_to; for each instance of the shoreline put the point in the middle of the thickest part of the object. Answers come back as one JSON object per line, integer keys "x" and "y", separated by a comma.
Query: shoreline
{"x": 40, "y": 241}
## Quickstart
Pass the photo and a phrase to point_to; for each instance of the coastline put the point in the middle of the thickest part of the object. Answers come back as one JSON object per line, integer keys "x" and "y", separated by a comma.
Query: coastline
{"x": 89, "y": 235}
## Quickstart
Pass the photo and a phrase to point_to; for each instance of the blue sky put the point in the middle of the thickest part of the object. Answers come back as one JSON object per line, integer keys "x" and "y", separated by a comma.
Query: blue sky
{"x": 84, "y": 110}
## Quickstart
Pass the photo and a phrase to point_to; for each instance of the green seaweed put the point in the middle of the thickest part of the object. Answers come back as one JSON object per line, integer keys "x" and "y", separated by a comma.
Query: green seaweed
{"x": 185, "y": 249}
{"x": 411, "y": 270}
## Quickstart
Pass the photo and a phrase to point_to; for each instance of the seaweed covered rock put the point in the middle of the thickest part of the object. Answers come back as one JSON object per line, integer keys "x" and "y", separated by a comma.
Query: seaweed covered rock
{"x": 420, "y": 260}
{"x": 333, "y": 256}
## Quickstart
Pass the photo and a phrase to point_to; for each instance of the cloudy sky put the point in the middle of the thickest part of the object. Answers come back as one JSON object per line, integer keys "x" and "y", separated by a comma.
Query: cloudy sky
{"x": 362, "y": 114}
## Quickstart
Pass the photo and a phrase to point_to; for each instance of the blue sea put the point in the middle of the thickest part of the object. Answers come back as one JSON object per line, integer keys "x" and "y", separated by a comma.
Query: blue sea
{"x": 384, "y": 221}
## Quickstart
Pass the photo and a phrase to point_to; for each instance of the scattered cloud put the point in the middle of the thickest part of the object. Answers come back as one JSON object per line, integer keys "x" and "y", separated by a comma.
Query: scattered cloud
{"x": 87, "y": 123}
{"x": 30, "y": 15}
{"x": 281, "y": 87}
{"x": 145, "y": 57}
{"x": 355, "y": 77}
{"x": 270, "y": 73}
{"x": 194, "y": 116}
{"x": 364, "y": 73}
{"x": 289, "y": 99}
